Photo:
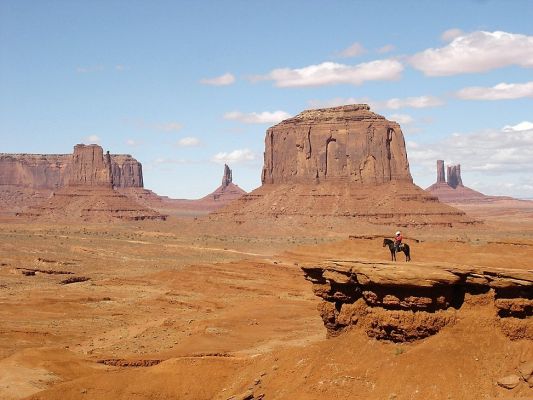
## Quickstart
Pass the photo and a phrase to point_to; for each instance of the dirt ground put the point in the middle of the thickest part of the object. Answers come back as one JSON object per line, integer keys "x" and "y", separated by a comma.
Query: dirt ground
{"x": 172, "y": 310}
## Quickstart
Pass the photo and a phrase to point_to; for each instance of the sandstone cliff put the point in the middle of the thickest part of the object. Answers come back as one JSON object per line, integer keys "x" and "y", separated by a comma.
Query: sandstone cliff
{"x": 347, "y": 143}
{"x": 410, "y": 302}
{"x": 51, "y": 171}
{"x": 87, "y": 190}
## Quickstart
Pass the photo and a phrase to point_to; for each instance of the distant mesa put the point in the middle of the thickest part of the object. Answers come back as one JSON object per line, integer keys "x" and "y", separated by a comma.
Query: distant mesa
{"x": 332, "y": 166}
{"x": 450, "y": 188}
{"x": 52, "y": 171}
{"x": 83, "y": 185}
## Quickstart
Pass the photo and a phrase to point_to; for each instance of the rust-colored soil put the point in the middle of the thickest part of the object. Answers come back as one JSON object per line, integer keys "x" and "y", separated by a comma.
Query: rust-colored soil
{"x": 177, "y": 310}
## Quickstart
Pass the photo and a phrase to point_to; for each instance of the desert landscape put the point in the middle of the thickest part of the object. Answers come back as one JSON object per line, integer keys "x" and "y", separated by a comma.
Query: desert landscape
{"x": 204, "y": 200}
{"x": 286, "y": 292}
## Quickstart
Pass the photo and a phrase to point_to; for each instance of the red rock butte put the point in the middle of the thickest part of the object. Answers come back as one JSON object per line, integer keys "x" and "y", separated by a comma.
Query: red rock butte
{"x": 348, "y": 144}
{"x": 344, "y": 164}
{"x": 85, "y": 187}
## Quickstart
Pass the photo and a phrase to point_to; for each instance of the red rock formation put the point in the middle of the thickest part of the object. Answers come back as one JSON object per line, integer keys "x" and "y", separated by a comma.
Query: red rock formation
{"x": 32, "y": 170}
{"x": 341, "y": 165}
{"x": 347, "y": 143}
{"x": 89, "y": 167}
{"x": 127, "y": 171}
{"x": 409, "y": 302}
{"x": 49, "y": 171}
{"x": 440, "y": 172}
{"x": 88, "y": 194}
{"x": 452, "y": 190}
{"x": 454, "y": 176}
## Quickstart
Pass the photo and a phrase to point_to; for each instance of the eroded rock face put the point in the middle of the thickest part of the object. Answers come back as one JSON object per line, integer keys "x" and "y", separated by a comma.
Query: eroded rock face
{"x": 52, "y": 171}
{"x": 348, "y": 143}
{"x": 454, "y": 176}
{"x": 410, "y": 302}
{"x": 89, "y": 167}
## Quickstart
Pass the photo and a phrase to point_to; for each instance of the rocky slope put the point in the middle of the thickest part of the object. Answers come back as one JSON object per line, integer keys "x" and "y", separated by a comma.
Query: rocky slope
{"x": 401, "y": 302}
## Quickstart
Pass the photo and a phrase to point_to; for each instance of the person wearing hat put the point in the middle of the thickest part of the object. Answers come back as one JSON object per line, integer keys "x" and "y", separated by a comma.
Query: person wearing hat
{"x": 398, "y": 241}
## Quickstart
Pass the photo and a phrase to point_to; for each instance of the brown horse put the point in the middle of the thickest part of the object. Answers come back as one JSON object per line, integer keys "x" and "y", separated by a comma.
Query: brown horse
{"x": 403, "y": 247}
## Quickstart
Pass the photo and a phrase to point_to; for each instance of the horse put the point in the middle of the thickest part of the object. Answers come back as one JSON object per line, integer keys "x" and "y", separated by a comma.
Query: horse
{"x": 403, "y": 247}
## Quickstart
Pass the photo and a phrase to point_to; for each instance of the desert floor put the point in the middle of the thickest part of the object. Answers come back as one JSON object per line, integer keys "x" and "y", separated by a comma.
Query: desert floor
{"x": 172, "y": 310}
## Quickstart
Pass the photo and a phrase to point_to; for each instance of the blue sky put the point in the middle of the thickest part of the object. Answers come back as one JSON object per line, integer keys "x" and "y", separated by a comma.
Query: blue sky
{"x": 185, "y": 86}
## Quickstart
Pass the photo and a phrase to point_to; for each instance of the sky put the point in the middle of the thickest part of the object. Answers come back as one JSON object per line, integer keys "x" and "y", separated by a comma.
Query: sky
{"x": 186, "y": 86}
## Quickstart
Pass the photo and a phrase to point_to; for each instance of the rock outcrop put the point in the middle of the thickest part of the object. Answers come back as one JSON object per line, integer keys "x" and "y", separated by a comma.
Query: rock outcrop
{"x": 454, "y": 176}
{"x": 88, "y": 192}
{"x": 227, "y": 191}
{"x": 347, "y": 143}
{"x": 412, "y": 301}
{"x": 334, "y": 167}
{"x": 51, "y": 171}
{"x": 89, "y": 167}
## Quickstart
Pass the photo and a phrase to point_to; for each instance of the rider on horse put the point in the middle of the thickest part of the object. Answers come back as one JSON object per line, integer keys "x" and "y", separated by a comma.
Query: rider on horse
{"x": 398, "y": 241}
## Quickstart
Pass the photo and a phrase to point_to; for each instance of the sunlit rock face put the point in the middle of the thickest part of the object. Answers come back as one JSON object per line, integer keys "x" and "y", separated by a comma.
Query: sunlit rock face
{"x": 348, "y": 143}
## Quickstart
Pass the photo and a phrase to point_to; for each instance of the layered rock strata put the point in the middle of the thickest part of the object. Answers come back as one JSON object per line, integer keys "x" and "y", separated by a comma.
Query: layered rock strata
{"x": 348, "y": 144}
{"x": 412, "y": 301}
{"x": 88, "y": 192}
{"x": 344, "y": 163}
{"x": 51, "y": 171}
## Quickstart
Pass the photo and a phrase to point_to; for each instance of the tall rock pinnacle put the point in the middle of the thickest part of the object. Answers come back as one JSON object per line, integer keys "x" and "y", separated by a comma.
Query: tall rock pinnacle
{"x": 226, "y": 178}
{"x": 440, "y": 172}
{"x": 454, "y": 175}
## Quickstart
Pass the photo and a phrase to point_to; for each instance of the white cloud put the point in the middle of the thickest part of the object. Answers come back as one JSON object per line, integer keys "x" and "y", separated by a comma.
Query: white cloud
{"x": 94, "y": 139}
{"x": 502, "y": 91}
{"x": 476, "y": 52}
{"x": 410, "y": 102}
{"x": 264, "y": 117}
{"x": 391, "y": 104}
{"x": 504, "y": 151}
{"x": 222, "y": 80}
{"x": 235, "y": 157}
{"x": 354, "y": 50}
{"x": 522, "y": 126}
{"x": 188, "y": 142}
{"x": 451, "y": 34}
{"x": 338, "y": 101}
{"x": 132, "y": 142}
{"x": 121, "y": 68}
{"x": 401, "y": 118}
{"x": 330, "y": 73}
{"x": 386, "y": 49}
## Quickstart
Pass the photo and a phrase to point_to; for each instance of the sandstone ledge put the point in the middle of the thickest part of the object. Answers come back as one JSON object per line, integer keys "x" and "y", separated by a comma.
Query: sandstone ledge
{"x": 406, "y": 302}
